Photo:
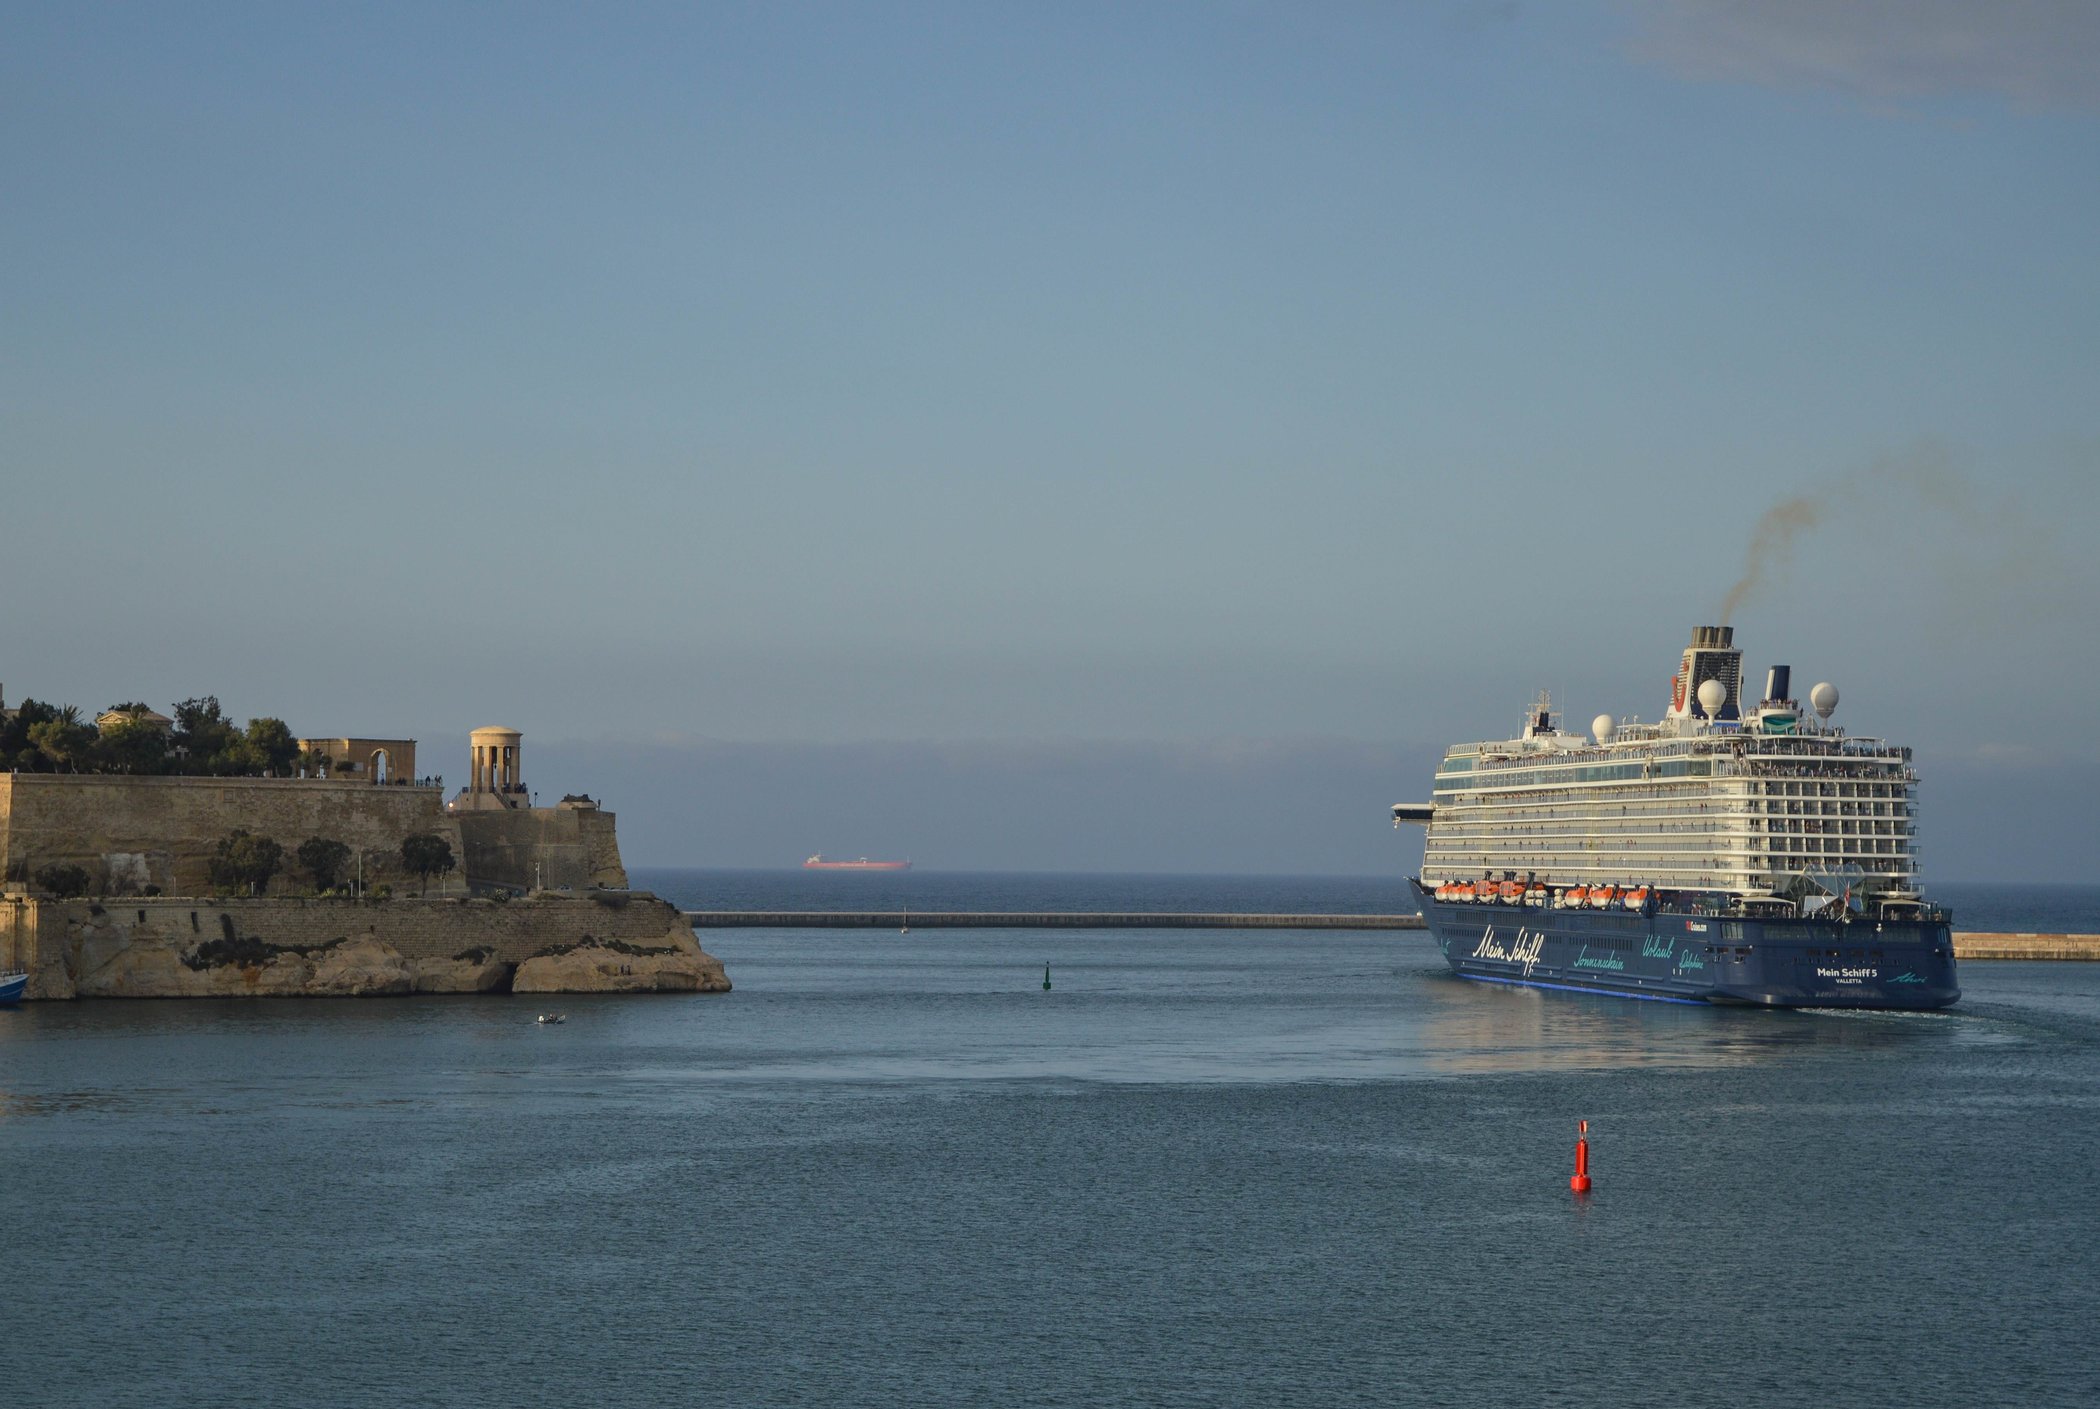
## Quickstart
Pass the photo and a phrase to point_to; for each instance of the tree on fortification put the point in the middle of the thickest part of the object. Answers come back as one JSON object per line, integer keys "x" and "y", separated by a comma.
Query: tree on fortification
{"x": 244, "y": 859}
{"x": 64, "y": 741}
{"x": 15, "y": 725}
{"x": 268, "y": 747}
{"x": 64, "y": 880}
{"x": 132, "y": 746}
{"x": 324, "y": 859}
{"x": 427, "y": 854}
{"x": 201, "y": 730}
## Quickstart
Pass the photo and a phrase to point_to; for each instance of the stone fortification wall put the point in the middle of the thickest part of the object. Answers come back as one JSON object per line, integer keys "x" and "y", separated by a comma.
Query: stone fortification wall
{"x": 129, "y": 833}
{"x": 551, "y": 847}
{"x": 159, "y": 947}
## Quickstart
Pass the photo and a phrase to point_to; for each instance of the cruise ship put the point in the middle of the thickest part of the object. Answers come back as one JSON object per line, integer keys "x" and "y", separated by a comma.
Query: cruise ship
{"x": 1729, "y": 853}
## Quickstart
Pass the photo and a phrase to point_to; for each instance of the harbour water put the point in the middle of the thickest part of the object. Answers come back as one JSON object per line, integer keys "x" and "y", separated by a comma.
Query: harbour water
{"x": 1203, "y": 1168}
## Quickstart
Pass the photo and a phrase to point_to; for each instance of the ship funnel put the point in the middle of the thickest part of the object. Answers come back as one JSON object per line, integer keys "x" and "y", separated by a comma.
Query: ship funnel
{"x": 1778, "y": 682}
{"x": 1711, "y": 656}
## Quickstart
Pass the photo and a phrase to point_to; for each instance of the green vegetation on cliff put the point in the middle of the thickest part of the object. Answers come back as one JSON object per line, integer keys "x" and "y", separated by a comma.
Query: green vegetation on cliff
{"x": 63, "y": 880}
{"x": 244, "y": 861}
{"x": 427, "y": 854}
{"x": 325, "y": 859}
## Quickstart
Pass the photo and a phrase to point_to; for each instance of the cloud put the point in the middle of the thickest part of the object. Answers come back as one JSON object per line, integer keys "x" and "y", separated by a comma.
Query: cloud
{"x": 2037, "y": 53}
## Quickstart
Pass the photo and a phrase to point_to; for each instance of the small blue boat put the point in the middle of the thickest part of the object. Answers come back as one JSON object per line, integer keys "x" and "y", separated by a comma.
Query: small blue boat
{"x": 11, "y": 986}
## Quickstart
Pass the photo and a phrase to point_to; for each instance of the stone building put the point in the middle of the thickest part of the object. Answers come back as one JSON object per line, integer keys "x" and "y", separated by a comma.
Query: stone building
{"x": 151, "y": 718}
{"x": 365, "y": 760}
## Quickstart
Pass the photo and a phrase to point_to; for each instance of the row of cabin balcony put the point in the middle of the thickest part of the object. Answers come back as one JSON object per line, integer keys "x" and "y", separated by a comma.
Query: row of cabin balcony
{"x": 1752, "y": 818}
{"x": 1512, "y": 804}
{"x": 1792, "y": 846}
{"x": 1458, "y": 832}
{"x": 1740, "y": 838}
{"x": 1659, "y": 854}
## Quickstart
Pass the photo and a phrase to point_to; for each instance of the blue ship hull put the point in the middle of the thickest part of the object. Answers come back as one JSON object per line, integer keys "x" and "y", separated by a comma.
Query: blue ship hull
{"x": 1686, "y": 956}
{"x": 11, "y": 987}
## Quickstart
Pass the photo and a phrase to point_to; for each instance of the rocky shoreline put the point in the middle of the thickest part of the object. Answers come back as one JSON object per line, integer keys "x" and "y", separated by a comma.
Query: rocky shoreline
{"x": 340, "y": 948}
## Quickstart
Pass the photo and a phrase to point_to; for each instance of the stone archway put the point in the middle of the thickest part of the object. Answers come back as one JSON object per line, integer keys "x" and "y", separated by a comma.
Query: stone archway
{"x": 380, "y": 767}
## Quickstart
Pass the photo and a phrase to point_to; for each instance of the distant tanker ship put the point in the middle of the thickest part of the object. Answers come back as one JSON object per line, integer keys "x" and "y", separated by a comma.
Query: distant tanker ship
{"x": 818, "y": 863}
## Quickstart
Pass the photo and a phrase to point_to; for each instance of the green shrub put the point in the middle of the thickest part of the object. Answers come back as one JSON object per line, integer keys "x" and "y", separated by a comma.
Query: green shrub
{"x": 63, "y": 879}
{"x": 243, "y": 861}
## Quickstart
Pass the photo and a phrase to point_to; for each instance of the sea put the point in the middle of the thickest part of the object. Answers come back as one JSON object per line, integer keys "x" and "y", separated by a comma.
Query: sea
{"x": 1196, "y": 1168}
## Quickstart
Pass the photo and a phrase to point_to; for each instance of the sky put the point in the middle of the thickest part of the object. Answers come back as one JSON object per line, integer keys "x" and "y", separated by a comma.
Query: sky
{"x": 1079, "y": 436}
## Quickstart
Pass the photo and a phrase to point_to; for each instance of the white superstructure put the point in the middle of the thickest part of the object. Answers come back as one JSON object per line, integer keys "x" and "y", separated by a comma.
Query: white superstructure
{"x": 1770, "y": 801}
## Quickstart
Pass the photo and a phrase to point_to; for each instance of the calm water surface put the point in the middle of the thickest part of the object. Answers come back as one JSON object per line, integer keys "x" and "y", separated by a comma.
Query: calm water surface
{"x": 1205, "y": 1168}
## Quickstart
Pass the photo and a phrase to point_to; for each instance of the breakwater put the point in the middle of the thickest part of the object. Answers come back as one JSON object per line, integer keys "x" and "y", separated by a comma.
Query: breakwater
{"x": 1038, "y": 919}
{"x": 2027, "y": 946}
{"x": 1977, "y": 946}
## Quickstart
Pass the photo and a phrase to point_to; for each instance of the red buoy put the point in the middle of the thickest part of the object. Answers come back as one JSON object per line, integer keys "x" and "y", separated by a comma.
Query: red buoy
{"x": 1580, "y": 1183}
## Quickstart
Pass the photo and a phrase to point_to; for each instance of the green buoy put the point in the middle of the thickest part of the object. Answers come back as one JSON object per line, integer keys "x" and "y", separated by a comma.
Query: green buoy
{"x": 1046, "y": 978}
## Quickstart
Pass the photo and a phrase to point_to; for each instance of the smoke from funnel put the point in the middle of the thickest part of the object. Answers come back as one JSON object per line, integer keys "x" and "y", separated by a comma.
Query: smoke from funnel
{"x": 1995, "y": 542}
{"x": 1772, "y": 545}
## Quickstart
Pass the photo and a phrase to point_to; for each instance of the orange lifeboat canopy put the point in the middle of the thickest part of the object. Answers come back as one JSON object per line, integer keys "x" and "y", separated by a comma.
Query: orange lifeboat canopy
{"x": 1576, "y": 898}
{"x": 1637, "y": 898}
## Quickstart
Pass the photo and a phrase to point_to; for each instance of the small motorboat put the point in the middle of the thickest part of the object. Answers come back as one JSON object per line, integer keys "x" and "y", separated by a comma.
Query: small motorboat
{"x": 550, "y": 1018}
{"x": 11, "y": 986}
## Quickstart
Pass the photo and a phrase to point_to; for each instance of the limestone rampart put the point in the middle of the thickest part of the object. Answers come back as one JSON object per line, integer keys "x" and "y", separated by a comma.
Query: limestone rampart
{"x": 130, "y": 833}
{"x": 551, "y": 847}
{"x": 285, "y": 945}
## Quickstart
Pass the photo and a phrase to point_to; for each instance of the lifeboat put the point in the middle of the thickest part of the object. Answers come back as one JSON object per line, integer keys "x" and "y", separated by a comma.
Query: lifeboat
{"x": 1461, "y": 890}
{"x": 1636, "y": 899}
{"x": 1443, "y": 892}
{"x": 1510, "y": 892}
{"x": 1601, "y": 897}
{"x": 1575, "y": 899}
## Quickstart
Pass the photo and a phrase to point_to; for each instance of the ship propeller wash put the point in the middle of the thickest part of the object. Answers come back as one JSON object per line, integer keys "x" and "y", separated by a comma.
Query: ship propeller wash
{"x": 1724, "y": 855}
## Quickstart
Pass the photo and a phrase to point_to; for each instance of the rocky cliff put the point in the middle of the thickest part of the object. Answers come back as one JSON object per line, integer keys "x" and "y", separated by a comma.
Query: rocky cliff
{"x": 281, "y": 947}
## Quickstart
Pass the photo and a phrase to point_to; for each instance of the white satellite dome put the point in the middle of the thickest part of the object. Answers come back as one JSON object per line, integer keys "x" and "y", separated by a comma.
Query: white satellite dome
{"x": 1602, "y": 727}
{"x": 1823, "y": 699}
{"x": 1712, "y": 695}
